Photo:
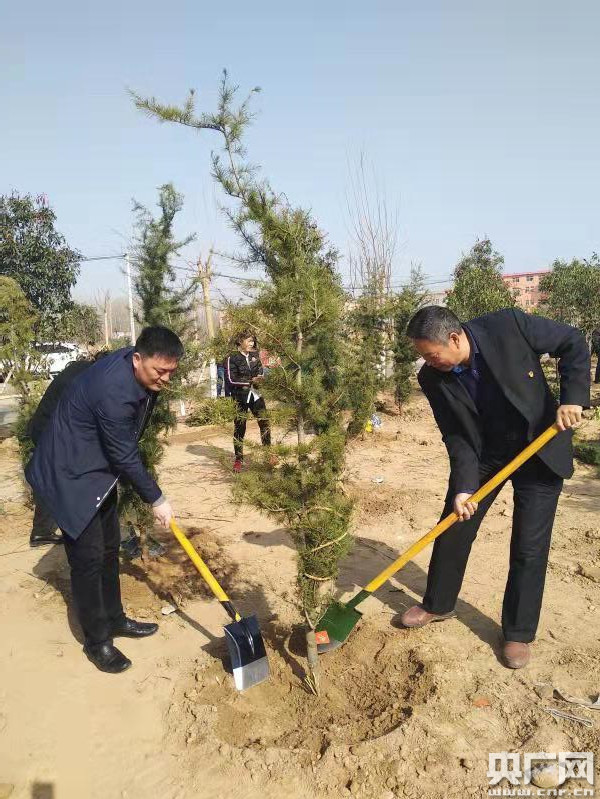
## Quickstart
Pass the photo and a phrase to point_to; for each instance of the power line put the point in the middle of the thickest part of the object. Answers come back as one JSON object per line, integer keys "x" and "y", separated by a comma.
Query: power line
{"x": 238, "y": 279}
{"x": 346, "y": 286}
{"x": 104, "y": 258}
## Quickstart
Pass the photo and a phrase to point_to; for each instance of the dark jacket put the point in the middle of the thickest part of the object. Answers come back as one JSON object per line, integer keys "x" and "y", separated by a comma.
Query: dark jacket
{"x": 511, "y": 343}
{"x": 90, "y": 441}
{"x": 239, "y": 371}
{"x": 49, "y": 401}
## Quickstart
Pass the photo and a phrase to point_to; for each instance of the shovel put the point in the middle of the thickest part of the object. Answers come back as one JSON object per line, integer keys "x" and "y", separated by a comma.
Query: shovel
{"x": 340, "y": 618}
{"x": 244, "y": 640}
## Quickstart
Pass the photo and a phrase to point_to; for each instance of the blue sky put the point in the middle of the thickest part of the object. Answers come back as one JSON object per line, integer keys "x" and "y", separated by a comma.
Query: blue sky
{"x": 479, "y": 118}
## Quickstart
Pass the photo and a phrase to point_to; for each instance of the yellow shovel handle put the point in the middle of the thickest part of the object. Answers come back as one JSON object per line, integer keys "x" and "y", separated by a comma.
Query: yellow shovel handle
{"x": 442, "y": 526}
{"x": 198, "y": 562}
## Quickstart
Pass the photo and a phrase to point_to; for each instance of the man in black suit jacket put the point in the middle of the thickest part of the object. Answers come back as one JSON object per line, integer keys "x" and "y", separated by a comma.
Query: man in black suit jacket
{"x": 489, "y": 396}
{"x": 89, "y": 443}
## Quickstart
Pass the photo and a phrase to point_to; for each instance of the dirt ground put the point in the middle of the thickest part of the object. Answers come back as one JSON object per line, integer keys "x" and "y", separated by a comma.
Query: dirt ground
{"x": 402, "y": 713}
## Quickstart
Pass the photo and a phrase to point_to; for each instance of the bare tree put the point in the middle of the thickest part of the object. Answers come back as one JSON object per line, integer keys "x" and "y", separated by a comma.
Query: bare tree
{"x": 374, "y": 231}
{"x": 373, "y": 228}
{"x": 103, "y": 303}
{"x": 120, "y": 315}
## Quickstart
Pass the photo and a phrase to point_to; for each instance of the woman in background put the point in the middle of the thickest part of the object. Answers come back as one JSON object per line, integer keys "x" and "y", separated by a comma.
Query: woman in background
{"x": 244, "y": 373}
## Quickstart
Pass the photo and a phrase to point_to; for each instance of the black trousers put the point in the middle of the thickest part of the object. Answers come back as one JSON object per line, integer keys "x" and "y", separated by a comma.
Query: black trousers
{"x": 597, "y": 375}
{"x": 94, "y": 562}
{"x": 43, "y": 523}
{"x": 536, "y": 490}
{"x": 259, "y": 410}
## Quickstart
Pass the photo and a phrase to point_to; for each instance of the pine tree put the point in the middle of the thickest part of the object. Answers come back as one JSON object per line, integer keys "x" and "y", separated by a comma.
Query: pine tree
{"x": 297, "y": 313}
{"x": 365, "y": 346}
{"x": 160, "y": 303}
{"x": 405, "y": 304}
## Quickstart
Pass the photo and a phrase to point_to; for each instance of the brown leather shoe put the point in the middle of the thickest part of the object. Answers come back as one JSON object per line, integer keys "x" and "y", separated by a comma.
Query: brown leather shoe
{"x": 515, "y": 654}
{"x": 419, "y": 617}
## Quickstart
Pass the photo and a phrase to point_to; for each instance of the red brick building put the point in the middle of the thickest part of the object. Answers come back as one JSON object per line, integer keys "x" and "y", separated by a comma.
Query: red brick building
{"x": 526, "y": 287}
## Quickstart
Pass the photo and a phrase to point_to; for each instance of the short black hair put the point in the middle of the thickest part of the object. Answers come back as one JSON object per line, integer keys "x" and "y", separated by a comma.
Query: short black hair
{"x": 158, "y": 340}
{"x": 245, "y": 334}
{"x": 433, "y": 323}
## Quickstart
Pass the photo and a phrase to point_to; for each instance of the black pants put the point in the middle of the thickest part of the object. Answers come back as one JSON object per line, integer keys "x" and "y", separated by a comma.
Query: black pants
{"x": 43, "y": 523}
{"x": 597, "y": 375}
{"x": 259, "y": 410}
{"x": 536, "y": 490}
{"x": 94, "y": 562}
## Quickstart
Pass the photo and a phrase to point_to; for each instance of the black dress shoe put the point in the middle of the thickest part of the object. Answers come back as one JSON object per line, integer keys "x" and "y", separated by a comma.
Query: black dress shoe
{"x": 107, "y": 657}
{"x": 129, "y": 628}
{"x": 44, "y": 540}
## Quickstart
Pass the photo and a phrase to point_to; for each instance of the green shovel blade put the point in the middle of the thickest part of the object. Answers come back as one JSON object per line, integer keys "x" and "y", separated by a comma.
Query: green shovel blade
{"x": 338, "y": 621}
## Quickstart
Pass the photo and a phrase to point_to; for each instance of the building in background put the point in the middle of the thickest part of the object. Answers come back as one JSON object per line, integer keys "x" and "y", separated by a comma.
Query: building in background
{"x": 437, "y": 297}
{"x": 526, "y": 287}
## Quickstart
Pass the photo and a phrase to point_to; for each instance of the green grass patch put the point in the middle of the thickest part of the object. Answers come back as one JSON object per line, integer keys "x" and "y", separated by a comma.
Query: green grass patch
{"x": 588, "y": 452}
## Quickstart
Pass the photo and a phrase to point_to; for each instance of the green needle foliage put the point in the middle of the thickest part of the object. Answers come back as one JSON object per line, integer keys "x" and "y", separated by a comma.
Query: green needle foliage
{"x": 297, "y": 314}
{"x": 365, "y": 346}
{"x": 405, "y": 304}
{"x": 367, "y": 338}
{"x": 160, "y": 303}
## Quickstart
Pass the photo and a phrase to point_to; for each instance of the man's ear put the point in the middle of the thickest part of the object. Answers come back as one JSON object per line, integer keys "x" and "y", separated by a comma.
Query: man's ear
{"x": 454, "y": 339}
{"x": 137, "y": 358}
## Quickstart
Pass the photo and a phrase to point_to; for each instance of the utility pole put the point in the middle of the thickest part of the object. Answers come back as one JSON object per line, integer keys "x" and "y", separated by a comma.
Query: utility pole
{"x": 204, "y": 275}
{"x": 130, "y": 292}
{"x": 105, "y": 302}
{"x": 106, "y": 336}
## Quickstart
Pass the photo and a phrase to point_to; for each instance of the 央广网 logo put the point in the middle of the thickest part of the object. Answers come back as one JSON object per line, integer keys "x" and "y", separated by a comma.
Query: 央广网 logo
{"x": 520, "y": 773}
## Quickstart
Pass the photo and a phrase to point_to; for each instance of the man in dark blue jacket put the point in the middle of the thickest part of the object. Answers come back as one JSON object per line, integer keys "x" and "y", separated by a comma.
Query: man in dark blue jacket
{"x": 489, "y": 397}
{"x": 89, "y": 443}
{"x": 43, "y": 530}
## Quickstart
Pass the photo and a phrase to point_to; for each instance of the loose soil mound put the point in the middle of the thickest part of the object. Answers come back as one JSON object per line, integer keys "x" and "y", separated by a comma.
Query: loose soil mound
{"x": 371, "y": 736}
{"x": 352, "y": 707}
{"x": 173, "y": 576}
{"x": 354, "y": 720}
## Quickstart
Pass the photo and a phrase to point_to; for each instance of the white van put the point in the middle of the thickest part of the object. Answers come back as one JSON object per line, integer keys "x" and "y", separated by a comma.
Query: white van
{"x": 59, "y": 355}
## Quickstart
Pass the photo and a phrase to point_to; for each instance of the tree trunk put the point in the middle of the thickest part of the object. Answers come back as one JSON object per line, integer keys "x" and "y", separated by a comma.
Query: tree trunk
{"x": 106, "y": 336}
{"x": 204, "y": 272}
{"x": 314, "y": 672}
{"x": 299, "y": 343}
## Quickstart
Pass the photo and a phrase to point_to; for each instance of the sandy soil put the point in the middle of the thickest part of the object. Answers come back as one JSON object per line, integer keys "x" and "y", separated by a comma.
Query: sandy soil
{"x": 401, "y": 714}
